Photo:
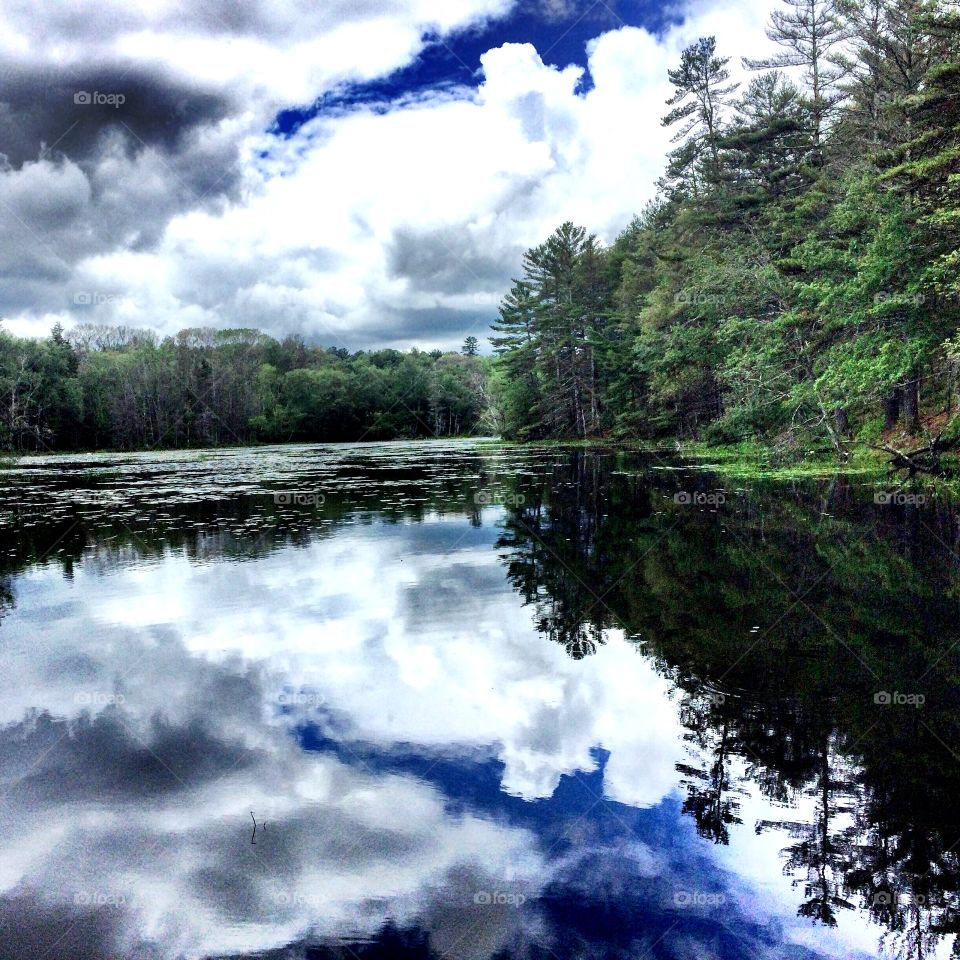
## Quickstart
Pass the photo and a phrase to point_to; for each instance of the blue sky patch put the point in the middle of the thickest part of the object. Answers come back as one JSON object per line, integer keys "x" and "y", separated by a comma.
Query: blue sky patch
{"x": 454, "y": 61}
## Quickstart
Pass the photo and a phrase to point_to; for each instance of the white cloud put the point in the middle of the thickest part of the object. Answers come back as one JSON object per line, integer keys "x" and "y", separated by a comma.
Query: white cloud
{"x": 369, "y": 227}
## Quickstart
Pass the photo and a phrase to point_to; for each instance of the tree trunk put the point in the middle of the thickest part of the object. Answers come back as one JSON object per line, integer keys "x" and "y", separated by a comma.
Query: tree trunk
{"x": 911, "y": 406}
{"x": 842, "y": 421}
{"x": 891, "y": 409}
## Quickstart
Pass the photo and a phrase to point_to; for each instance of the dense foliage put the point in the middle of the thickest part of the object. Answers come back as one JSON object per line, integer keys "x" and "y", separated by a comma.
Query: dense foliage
{"x": 797, "y": 277}
{"x": 795, "y": 281}
{"x": 108, "y": 387}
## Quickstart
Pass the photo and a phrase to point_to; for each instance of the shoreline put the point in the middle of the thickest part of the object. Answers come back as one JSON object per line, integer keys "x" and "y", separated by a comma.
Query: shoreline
{"x": 737, "y": 461}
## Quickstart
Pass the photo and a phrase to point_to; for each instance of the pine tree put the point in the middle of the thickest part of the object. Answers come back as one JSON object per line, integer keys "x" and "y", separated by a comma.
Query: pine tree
{"x": 764, "y": 148}
{"x": 516, "y": 349}
{"x": 812, "y": 33}
{"x": 894, "y": 53}
{"x": 702, "y": 93}
{"x": 552, "y": 271}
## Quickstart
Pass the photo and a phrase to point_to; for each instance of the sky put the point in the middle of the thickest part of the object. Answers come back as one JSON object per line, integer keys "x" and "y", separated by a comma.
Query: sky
{"x": 363, "y": 173}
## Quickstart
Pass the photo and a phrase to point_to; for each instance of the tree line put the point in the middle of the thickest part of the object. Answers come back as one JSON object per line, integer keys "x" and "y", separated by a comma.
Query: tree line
{"x": 104, "y": 387}
{"x": 795, "y": 281}
{"x": 796, "y": 277}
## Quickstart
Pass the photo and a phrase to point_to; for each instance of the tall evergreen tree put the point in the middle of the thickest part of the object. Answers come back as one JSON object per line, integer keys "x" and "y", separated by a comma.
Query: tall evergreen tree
{"x": 812, "y": 34}
{"x": 563, "y": 363}
{"x": 764, "y": 149}
{"x": 702, "y": 91}
{"x": 516, "y": 346}
{"x": 894, "y": 52}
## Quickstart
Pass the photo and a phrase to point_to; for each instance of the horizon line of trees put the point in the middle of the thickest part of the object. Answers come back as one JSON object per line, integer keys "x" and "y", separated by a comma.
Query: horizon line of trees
{"x": 797, "y": 277}
{"x": 105, "y": 387}
{"x": 796, "y": 281}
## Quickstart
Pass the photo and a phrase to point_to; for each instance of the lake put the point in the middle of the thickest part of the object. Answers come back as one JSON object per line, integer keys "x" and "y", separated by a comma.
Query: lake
{"x": 453, "y": 699}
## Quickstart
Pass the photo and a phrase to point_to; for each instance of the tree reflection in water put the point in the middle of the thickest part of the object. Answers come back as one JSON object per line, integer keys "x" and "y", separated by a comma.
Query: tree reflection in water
{"x": 783, "y": 616}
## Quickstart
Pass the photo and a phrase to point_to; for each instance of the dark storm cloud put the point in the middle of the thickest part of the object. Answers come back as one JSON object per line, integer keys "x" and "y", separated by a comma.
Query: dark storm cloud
{"x": 451, "y": 260}
{"x": 281, "y": 313}
{"x": 70, "y": 112}
{"x": 58, "y": 211}
{"x": 76, "y": 179}
{"x": 399, "y": 328}
{"x": 95, "y": 160}
{"x": 31, "y": 927}
{"x": 214, "y": 283}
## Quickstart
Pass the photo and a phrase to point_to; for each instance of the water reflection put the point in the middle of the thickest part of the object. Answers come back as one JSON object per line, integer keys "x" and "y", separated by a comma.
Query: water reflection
{"x": 694, "y": 766}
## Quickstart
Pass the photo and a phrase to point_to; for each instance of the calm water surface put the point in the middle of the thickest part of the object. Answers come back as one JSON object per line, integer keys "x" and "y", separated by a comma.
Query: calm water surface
{"x": 454, "y": 700}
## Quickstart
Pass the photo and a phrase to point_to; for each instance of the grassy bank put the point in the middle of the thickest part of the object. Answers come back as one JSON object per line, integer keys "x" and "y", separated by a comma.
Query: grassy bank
{"x": 750, "y": 460}
{"x": 753, "y": 460}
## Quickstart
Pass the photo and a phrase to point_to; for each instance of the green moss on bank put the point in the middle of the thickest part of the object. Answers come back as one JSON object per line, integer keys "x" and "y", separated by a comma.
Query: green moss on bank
{"x": 754, "y": 461}
{"x": 751, "y": 461}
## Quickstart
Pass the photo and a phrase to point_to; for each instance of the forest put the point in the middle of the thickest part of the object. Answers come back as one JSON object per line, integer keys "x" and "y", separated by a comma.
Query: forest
{"x": 795, "y": 282}
{"x": 104, "y": 387}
